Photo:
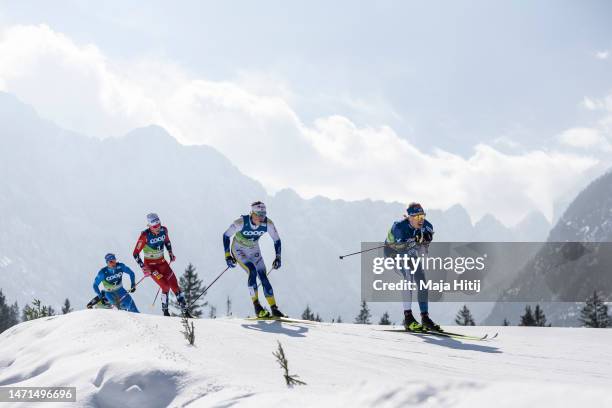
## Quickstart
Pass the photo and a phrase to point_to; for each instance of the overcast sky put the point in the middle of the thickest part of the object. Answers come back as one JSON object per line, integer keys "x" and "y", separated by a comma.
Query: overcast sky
{"x": 501, "y": 108}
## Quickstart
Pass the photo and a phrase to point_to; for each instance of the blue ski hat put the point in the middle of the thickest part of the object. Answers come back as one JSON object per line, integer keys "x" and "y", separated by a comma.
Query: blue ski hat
{"x": 109, "y": 257}
{"x": 415, "y": 209}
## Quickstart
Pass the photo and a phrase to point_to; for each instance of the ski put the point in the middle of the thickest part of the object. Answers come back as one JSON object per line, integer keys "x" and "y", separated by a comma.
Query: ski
{"x": 281, "y": 319}
{"x": 459, "y": 335}
{"x": 485, "y": 337}
{"x": 444, "y": 334}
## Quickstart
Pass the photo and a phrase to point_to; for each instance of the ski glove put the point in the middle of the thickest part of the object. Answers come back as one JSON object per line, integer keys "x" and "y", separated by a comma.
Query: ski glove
{"x": 133, "y": 289}
{"x": 423, "y": 236}
{"x": 230, "y": 260}
{"x": 172, "y": 257}
{"x": 277, "y": 262}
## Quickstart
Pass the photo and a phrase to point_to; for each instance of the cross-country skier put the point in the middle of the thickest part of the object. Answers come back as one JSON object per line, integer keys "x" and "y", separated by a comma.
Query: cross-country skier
{"x": 152, "y": 242}
{"x": 245, "y": 250}
{"x": 412, "y": 236}
{"x": 111, "y": 279}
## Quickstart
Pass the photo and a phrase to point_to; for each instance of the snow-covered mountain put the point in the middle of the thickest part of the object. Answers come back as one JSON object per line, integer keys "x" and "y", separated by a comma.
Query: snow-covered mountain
{"x": 588, "y": 219}
{"x": 589, "y": 216}
{"x": 67, "y": 199}
{"x": 121, "y": 359}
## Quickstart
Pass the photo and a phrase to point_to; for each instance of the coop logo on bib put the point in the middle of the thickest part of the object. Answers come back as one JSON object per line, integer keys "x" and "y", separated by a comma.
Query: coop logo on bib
{"x": 114, "y": 277}
{"x": 253, "y": 233}
{"x": 157, "y": 240}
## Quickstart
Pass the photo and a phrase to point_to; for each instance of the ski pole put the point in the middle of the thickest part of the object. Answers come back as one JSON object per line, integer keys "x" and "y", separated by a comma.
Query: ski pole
{"x": 155, "y": 300}
{"x": 141, "y": 279}
{"x": 360, "y": 252}
{"x": 207, "y": 287}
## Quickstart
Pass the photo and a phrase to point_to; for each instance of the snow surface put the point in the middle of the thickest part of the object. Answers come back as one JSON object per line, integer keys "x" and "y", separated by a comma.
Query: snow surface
{"x": 119, "y": 359}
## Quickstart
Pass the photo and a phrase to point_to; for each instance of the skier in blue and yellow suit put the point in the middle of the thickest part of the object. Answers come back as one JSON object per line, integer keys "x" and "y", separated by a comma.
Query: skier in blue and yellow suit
{"x": 111, "y": 279}
{"x": 246, "y": 252}
{"x": 412, "y": 236}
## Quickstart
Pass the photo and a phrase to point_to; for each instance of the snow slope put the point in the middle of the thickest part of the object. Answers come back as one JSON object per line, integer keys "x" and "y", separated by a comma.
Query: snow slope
{"x": 117, "y": 359}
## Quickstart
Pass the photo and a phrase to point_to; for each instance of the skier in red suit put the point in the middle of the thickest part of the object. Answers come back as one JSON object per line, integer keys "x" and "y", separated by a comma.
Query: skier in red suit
{"x": 152, "y": 242}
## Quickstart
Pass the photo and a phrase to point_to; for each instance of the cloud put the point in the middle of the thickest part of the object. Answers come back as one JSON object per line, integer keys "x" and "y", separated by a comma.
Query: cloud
{"x": 592, "y": 104}
{"x": 506, "y": 142}
{"x": 254, "y": 125}
{"x": 598, "y": 136}
{"x": 602, "y": 55}
{"x": 585, "y": 138}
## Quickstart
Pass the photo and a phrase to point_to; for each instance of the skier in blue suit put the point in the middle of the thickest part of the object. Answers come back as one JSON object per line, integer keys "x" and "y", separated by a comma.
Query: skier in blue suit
{"x": 111, "y": 279}
{"x": 412, "y": 236}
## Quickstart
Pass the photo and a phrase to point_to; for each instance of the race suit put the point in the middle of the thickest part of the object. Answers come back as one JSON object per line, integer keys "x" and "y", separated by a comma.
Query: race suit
{"x": 401, "y": 239}
{"x": 245, "y": 249}
{"x": 115, "y": 294}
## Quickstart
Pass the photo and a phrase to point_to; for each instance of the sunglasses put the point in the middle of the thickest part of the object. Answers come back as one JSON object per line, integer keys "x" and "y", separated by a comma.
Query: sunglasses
{"x": 418, "y": 217}
{"x": 156, "y": 226}
{"x": 260, "y": 214}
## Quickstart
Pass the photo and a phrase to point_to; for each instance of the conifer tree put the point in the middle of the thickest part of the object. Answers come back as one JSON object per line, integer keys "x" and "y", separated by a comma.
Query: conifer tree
{"x": 36, "y": 311}
{"x": 539, "y": 317}
{"x": 66, "y": 308}
{"x": 595, "y": 312}
{"x": 308, "y": 314}
{"x": 464, "y": 317}
{"x": 364, "y": 314}
{"x": 192, "y": 287}
{"x": 384, "y": 320}
{"x": 228, "y": 307}
{"x": 9, "y": 315}
{"x": 527, "y": 319}
{"x": 212, "y": 312}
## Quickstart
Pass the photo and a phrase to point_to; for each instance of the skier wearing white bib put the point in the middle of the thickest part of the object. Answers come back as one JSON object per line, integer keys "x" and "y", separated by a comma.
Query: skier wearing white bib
{"x": 245, "y": 251}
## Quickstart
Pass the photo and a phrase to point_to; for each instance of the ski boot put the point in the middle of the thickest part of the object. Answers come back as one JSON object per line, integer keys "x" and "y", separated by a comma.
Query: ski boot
{"x": 276, "y": 312}
{"x": 94, "y": 302}
{"x": 428, "y": 324}
{"x": 410, "y": 323}
{"x": 164, "y": 303}
{"x": 260, "y": 311}
{"x": 183, "y": 304}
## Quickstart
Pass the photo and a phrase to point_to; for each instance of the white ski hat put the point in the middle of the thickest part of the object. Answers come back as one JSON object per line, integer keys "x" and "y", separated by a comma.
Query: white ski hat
{"x": 153, "y": 219}
{"x": 258, "y": 208}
